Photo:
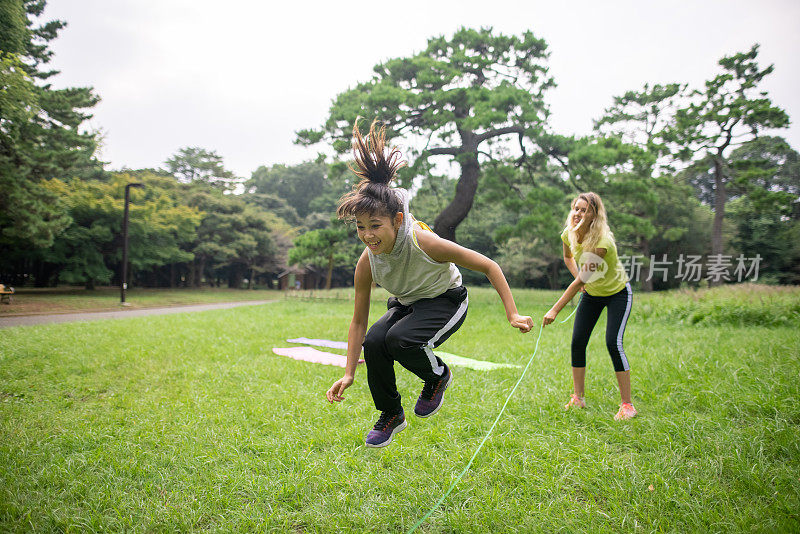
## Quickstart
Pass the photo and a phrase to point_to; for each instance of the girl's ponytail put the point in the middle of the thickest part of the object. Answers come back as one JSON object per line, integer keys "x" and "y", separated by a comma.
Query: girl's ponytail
{"x": 372, "y": 164}
{"x": 376, "y": 170}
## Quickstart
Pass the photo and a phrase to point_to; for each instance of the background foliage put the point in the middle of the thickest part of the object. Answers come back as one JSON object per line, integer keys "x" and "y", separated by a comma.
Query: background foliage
{"x": 682, "y": 170}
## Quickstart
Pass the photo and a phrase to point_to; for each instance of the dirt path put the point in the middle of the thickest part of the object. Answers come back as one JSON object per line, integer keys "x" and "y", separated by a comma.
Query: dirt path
{"x": 27, "y": 320}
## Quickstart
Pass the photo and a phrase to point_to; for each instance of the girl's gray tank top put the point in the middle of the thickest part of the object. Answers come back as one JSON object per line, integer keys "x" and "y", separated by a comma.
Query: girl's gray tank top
{"x": 407, "y": 272}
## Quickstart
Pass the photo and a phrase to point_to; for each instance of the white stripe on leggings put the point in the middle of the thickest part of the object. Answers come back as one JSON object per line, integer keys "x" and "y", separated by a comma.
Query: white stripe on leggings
{"x": 621, "y": 332}
{"x": 428, "y": 347}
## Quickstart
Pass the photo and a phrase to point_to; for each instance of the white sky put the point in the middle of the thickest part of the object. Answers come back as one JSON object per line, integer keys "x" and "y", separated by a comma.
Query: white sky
{"x": 240, "y": 77}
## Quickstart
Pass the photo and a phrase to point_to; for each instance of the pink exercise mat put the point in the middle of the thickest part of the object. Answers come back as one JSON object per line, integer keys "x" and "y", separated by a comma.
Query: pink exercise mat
{"x": 307, "y": 354}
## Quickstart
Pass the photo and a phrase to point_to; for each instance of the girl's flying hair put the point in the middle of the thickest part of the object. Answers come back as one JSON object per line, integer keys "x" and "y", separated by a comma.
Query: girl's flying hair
{"x": 597, "y": 229}
{"x": 376, "y": 169}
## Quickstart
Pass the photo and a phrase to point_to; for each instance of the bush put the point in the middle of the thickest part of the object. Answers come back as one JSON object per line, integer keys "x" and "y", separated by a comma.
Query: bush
{"x": 741, "y": 305}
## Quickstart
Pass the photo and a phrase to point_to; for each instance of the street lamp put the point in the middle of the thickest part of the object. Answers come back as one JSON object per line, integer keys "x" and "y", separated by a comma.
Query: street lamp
{"x": 124, "y": 282}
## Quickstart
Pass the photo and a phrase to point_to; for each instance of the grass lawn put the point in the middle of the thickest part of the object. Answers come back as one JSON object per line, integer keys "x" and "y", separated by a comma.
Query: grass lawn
{"x": 188, "y": 422}
{"x": 71, "y": 299}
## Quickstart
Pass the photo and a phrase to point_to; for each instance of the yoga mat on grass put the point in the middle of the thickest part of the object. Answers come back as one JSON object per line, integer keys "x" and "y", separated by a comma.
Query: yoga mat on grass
{"x": 469, "y": 363}
{"x": 449, "y": 359}
{"x": 307, "y": 354}
{"x": 319, "y": 342}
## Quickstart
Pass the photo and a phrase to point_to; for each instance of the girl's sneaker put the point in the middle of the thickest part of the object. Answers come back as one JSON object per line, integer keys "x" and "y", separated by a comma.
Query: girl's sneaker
{"x": 626, "y": 411}
{"x": 575, "y": 401}
{"x": 387, "y": 426}
{"x": 432, "y": 396}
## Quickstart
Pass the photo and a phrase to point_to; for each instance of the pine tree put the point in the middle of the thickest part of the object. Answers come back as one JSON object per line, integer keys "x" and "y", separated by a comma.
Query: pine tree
{"x": 729, "y": 112}
{"x": 41, "y": 135}
{"x": 473, "y": 94}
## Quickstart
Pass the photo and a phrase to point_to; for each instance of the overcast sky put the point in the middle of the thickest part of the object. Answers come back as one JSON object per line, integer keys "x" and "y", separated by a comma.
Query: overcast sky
{"x": 240, "y": 77}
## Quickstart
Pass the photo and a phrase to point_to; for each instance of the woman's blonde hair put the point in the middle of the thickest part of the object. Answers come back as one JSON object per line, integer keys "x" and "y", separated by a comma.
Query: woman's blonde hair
{"x": 598, "y": 228}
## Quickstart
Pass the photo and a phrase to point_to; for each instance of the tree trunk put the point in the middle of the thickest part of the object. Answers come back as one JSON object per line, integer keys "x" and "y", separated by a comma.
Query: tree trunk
{"x": 447, "y": 221}
{"x": 40, "y": 277}
{"x": 198, "y": 275}
{"x": 647, "y": 282}
{"x": 554, "y": 275}
{"x": 330, "y": 272}
{"x": 719, "y": 212}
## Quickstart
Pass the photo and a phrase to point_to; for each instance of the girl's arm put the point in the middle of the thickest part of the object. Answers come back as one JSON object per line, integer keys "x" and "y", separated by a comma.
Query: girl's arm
{"x": 358, "y": 327}
{"x": 443, "y": 251}
{"x": 573, "y": 289}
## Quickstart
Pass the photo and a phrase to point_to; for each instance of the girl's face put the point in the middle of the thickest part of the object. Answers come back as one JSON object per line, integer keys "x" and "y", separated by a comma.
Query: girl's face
{"x": 378, "y": 232}
{"x": 581, "y": 213}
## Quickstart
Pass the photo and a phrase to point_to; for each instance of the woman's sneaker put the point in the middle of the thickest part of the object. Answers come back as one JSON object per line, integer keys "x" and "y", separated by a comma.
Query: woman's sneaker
{"x": 575, "y": 402}
{"x": 626, "y": 411}
{"x": 432, "y": 396}
{"x": 387, "y": 426}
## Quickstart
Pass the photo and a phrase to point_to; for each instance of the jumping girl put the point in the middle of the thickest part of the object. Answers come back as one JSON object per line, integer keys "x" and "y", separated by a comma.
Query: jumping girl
{"x": 591, "y": 256}
{"x": 418, "y": 267}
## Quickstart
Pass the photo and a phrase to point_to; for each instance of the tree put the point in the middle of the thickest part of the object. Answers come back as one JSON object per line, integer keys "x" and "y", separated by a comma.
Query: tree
{"x": 587, "y": 161}
{"x": 727, "y": 113}
{"x": 195, "y": 164}
{"x": 273, "y": 204}
{"x": 12, "y": 26}
{"x": 510, "y": 220}
{"x": 233, "y": 240}
{"x": 296, "y": 184}
{"x": 765, "y": 182}
{"x": 683, "y": 229}
{"x": 161, "y": 225}
{"x": 766, "y": 234}
{"x": 610, "y": 167}
{"x": 521, "y": 260}
{"x": 78, "y": 255}
{"x": 40, "y": 132}
{"x": 535, "y": 206}
{"x": 641, "y": 118}
{"x": 89, "y": 250}
{"x": 327, "y": 247}
{"x": 766, "y": 166}
{"x": 54, "y": 143}
{"x": 465, "y": 97}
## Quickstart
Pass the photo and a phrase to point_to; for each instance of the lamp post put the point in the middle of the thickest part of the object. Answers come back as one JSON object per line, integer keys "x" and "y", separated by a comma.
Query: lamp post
{"x": 124, "y": 282}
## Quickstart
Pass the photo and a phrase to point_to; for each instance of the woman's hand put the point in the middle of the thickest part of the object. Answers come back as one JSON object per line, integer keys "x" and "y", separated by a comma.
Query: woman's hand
{"x": 549, "y": 317}
{"x": 523, "y": 322}
{"x": 335, "y": 393}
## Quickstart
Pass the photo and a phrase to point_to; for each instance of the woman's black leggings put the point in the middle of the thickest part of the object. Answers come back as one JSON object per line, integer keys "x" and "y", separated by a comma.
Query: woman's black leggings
{"x": 589, "y": 309}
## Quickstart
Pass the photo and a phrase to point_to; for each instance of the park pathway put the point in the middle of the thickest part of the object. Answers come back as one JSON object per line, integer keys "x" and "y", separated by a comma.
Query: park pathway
{"x": 27, "y": 320}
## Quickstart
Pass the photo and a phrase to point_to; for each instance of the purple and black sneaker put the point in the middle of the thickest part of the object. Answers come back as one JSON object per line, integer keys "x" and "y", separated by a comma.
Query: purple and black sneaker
{"x": 387, "y": 426}
{"x": 432, "y": 396}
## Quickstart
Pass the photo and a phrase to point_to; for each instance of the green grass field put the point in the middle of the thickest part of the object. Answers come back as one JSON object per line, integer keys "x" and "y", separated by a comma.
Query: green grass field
{"x": 189, "y": 423}
{"x": 29, "y": 301}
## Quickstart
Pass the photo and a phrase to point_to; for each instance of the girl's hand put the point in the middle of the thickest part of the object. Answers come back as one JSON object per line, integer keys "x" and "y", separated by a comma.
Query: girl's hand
{"x": 549, "y": 317}
{"x": 335, "y": 393}
{"x": 523, "y": 322}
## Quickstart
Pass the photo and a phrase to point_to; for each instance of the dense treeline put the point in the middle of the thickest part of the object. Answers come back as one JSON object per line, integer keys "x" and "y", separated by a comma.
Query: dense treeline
{"x": 696, "y": 189}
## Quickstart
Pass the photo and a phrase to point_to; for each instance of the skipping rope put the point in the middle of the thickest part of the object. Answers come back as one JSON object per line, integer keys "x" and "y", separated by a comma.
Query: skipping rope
{"x": 458, "y": 478}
